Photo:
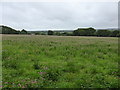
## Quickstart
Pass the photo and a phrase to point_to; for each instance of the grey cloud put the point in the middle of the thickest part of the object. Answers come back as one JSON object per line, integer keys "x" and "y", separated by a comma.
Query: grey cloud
{"x": 54, "y": 15}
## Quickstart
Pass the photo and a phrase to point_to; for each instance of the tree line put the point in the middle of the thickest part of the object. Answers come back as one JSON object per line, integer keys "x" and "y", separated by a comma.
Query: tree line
{"x": 9, "y": 30}
{"x": 78, "y": 32}
{"x": 89, "y": 32}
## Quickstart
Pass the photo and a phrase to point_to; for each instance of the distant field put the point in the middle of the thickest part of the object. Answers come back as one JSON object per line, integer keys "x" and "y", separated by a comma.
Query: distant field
{"x": 31, "y": 61}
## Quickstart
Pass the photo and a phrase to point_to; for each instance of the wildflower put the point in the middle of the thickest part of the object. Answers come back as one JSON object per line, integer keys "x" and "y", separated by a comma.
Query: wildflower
{"x": 23, "y": 87}
{"x": 19, "y": 85}
{"x": 40, "y": 73}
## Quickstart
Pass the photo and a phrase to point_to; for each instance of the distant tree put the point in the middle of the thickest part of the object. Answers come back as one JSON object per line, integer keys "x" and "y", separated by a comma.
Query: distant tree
{"x": 118, "y": 35}
{"x": 115, "y": 33}
{"x": 0, "y": 29}
{"x": 104, "y": 33}
{"x": 23, "y": 31}
{"x": 50, "y": 32}
{"x": 91, "y": 31}
{"x": 37, "y": 33}
{"x": 76, "y": 33}
{"x": 67, "y": 34}
{"x": 84, "y": 32}
{"x": 64, "y": 33}
{"x": 8, "y": 30}
{"x": 57, "y": 33}
{"x": 43, "y": 34}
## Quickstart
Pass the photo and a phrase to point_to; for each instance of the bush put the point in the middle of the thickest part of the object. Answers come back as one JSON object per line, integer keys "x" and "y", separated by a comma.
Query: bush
{"x": 50, "y": 32}
{"x": 104, "y": 33}
{"x": 84, "y": 32}
{"x": 115, "y": 33}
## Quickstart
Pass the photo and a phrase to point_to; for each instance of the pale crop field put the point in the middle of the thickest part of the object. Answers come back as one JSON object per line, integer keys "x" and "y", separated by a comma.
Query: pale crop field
{"x": 35, "y": 61}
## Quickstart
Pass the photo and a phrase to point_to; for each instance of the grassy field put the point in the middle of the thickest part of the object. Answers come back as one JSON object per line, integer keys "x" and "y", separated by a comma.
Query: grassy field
{"x": 31, "y": 61}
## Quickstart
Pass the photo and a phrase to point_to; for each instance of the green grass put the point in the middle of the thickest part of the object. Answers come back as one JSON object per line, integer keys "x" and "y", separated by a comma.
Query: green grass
{"x": 31, "y": 61}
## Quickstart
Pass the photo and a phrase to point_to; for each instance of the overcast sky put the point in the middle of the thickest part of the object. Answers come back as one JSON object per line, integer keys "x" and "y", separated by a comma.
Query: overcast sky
{"x": 59, "y": 15}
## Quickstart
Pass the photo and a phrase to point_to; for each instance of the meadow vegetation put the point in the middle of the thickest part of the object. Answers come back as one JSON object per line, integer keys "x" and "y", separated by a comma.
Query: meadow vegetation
{"x": 35, "y": 61}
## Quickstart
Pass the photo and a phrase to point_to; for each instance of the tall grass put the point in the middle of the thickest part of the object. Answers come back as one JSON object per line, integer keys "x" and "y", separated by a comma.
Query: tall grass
{"x": 59, "y": 62}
